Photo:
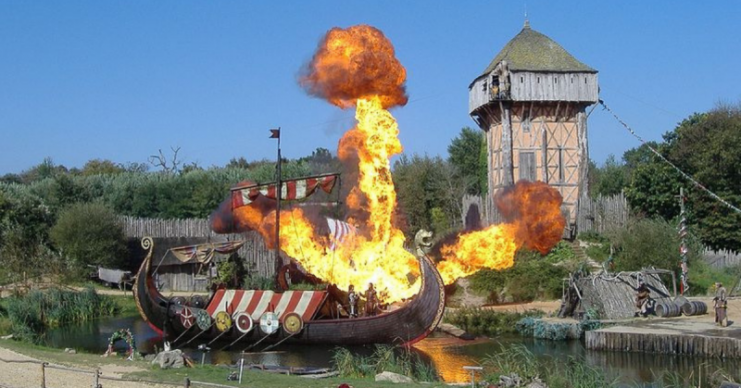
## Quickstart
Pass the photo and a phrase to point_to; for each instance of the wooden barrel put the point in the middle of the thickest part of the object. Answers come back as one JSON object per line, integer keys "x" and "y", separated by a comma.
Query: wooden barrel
{"x": 694, "y": 308}
{"x": 667, "y": 310}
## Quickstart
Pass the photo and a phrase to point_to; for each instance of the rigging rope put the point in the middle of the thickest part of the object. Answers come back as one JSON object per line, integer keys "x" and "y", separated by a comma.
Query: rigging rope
{"x": 682, "y": 173}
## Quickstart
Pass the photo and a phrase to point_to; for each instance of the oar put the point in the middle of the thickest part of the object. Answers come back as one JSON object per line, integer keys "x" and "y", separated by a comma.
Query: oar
{"x": 182, "y": 334}
{"x": 218, "y": 336}
{"x": 235, "y": 341}
{"x": 198, "y": 335}
{"x": 256, "y": 343}
{"x": 279, "y": 342}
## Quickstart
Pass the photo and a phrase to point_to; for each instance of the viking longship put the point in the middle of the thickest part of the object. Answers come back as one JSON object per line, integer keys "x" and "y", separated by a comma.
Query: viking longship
{"x": 250, "y": 317}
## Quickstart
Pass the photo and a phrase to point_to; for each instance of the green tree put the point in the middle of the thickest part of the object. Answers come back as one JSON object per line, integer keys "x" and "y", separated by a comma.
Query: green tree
{"x": 464, "y": 152}
{"x": 89, "y": 234}
{"x": 101, "y": 167}
{"x": 611, "y": 178}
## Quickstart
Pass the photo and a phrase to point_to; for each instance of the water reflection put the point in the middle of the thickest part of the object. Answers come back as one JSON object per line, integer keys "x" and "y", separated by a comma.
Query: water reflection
{"x": 447, "y": 355}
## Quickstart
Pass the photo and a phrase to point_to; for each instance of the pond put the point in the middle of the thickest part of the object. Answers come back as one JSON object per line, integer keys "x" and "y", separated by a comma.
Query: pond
{"x": 448, "y": 355}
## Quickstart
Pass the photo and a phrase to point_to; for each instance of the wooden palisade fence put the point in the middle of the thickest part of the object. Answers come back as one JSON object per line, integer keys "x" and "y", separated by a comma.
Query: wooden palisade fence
{"x": 254, "y": 251}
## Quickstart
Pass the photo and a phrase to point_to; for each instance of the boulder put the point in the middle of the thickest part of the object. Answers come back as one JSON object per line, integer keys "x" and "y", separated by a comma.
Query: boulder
{"x": 7, "y": 337}
{"x": 393, "y": 377}
{"x": 172, "y": 359}
{"x": 70, "y": 351}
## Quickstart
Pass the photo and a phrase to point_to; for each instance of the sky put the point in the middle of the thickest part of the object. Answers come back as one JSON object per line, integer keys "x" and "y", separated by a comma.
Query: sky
{"x": 120, "y": 80}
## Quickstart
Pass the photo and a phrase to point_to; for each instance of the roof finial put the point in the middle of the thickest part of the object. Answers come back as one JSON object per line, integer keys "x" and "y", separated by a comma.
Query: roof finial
{"x": 527, "y": 22}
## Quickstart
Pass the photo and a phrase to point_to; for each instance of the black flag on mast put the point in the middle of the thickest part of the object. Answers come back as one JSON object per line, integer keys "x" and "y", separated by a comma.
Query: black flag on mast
{"x": 275, "y": 133}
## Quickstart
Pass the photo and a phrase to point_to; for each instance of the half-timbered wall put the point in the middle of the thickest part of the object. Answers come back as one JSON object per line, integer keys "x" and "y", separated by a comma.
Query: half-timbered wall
{"x": 544, "y": 143}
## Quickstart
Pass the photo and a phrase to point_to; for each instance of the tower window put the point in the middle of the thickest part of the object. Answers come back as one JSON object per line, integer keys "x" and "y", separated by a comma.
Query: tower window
{"x": 585, "y": 80}
{"x": 483, "y": 86}
{"x": 522, "y": 79}
{"x": 538, "y": 79}
{"x": 555, "y": 80}
{"x": 561, "y": 174}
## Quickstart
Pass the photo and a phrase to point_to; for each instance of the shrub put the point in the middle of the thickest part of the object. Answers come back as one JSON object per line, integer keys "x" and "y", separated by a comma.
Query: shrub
{"x": 89, "y": 234}
{"x": 488, "y": 322}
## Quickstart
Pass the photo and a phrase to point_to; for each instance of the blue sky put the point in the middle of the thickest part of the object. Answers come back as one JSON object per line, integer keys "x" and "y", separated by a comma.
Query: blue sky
{"x": 119, "y": 80}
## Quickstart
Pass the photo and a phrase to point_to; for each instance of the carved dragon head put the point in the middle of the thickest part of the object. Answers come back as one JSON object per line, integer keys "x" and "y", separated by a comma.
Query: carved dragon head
{"x": 422, "y": 240}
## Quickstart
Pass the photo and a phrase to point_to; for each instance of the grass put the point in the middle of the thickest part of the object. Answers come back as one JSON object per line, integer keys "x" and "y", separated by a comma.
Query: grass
{"x": 385, "y": 358}
{"x": 31, "y": 314}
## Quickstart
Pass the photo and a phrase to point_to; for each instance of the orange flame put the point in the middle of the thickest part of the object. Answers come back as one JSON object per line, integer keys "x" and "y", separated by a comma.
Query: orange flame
{"x": 353, "y": 63}
{"x": 532, "y": 211}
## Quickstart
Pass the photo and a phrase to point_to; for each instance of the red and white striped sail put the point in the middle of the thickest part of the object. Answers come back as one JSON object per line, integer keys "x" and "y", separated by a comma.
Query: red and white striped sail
{"x": 339, "y": 231}
{"x": 290, "y": 190}
{"x": 257, "y": 302}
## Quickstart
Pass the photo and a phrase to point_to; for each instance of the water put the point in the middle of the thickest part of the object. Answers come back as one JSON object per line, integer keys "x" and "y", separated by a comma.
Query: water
{"x": 448, "y": 355}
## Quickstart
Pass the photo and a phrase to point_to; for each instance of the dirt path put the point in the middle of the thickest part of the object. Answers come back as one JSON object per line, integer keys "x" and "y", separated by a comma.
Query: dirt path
{"x": 28, "y": 375}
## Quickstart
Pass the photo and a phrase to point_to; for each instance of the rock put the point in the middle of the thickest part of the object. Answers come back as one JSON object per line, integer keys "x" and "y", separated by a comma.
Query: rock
{"x": 172, "y": 359}
{"x": 70, "y": 351}
{"x": 149, "y": 357}
{"x": 7, "y": 337}
{"x": 393, "y": 377}
{"x": 511, "y": 381}
{"x": 536, "y": 383}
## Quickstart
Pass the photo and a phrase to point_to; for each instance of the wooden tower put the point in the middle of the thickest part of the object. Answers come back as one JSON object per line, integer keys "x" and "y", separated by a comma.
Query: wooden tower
{"x": 531, "y": 102}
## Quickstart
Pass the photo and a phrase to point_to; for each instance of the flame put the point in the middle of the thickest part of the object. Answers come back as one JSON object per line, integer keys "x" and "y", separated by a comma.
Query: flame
{"x": 357, "y": 67}
{"x": 532, "y": 211}
{"x": 357, "y": 62}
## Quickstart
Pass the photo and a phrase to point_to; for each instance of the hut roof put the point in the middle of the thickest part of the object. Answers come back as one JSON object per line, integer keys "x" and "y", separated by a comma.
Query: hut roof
{"x": 532, "y": 51}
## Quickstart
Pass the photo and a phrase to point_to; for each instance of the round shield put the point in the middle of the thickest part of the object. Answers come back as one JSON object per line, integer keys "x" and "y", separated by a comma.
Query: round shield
{"x": 223, "y": 321}
{"x": 198, "y": 301}
{"x": 292, "y": 323}
{"x": 243, "y": 322}
{"x": 269, "y": 323}
{"x": 187, "y": 319}
{"x": 203, "y": 319}
{"x": 179, "y": 300}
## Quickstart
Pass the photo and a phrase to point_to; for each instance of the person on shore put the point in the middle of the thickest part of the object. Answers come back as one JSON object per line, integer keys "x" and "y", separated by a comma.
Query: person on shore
{"x": 642, "y": 297}
{"x": 720, "y": 304}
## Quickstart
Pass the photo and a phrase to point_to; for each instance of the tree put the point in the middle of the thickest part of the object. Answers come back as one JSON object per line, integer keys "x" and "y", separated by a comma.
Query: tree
{"x": 611, "y": 179}
{"x": 707, "y": 147}
{"x": 464, "y": 152}
{"x": 89, "y": 234}
{"x": 101, "y": 167}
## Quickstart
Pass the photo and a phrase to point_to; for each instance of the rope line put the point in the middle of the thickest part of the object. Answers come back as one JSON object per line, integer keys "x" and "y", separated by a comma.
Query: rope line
{"x": 657, "y": 153}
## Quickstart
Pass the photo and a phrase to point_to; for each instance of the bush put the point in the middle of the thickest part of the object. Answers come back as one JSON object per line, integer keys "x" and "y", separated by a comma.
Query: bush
{"x": 89, "y": 234}
{"x": 532, "y": 277}
{"x": 488, "y": 322}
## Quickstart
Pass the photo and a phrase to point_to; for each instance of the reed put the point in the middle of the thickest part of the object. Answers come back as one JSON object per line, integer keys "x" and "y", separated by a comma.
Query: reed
{"x": 385, "y": 358}
{"x": 570, "y": 372}
{"x": 31, "y": 314}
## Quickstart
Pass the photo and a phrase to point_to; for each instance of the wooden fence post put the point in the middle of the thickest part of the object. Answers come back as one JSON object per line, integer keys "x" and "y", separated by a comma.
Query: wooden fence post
{"x": 187, "y": 382}
{"x": 43, "y": 375}
{"x": 96, "y": 379}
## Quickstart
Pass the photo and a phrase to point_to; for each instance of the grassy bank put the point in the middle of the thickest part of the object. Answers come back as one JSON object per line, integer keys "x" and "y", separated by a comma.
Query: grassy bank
{"x": 206, "y": 373}
{"x": 28, "y": 316}
{"x": 574, "y": 372}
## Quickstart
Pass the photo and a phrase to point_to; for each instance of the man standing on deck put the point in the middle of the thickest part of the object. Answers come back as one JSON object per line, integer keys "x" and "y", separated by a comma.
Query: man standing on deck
{"x": 720, "y": 304}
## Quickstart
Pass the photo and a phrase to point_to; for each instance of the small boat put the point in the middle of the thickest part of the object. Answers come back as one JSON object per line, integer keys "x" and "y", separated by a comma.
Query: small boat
{"x": 252, "y": 317}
